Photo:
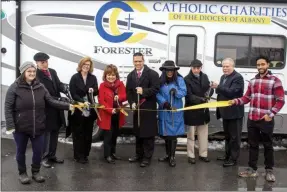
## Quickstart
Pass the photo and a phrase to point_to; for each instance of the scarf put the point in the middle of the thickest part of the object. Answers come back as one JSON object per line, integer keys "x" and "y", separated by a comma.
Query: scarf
{"x": 114, "y": 87}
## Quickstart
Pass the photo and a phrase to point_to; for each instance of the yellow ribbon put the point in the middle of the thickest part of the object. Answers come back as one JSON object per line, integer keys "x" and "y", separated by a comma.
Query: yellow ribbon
{"x": 207, "y": 105}
{"x": 80, "y": 106}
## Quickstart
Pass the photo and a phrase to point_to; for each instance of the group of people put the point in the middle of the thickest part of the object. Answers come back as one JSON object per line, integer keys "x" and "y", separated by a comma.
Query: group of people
{"x": 34, "y": 109}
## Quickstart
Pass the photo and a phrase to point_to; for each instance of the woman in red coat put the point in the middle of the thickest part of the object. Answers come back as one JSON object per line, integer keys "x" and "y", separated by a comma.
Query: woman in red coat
{"x": 112, "y": 93}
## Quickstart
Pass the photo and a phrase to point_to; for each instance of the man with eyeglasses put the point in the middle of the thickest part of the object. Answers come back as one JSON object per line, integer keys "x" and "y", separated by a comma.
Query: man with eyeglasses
{"x": 54, "y": 118}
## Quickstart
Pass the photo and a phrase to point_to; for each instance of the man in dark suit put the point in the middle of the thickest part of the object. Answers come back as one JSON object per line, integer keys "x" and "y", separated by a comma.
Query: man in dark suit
{"x": 231, "y": 86}
{"x": 54, "y": 117}
{"x": 145, "y": 82}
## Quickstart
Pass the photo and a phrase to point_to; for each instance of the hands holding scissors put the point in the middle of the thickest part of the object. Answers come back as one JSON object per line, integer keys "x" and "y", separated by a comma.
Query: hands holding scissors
{"x": 139, "y": 90}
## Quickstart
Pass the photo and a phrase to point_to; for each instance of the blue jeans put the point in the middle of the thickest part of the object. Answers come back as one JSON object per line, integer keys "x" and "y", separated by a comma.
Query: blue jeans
{"x": 21, "y": 140}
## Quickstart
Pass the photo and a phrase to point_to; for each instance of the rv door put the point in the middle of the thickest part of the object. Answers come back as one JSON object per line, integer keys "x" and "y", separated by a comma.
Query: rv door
{"x": 186, "y": 43}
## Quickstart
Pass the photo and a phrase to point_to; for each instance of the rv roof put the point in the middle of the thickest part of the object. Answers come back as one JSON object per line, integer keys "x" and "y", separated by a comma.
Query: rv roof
{"x": 251, "y": 1}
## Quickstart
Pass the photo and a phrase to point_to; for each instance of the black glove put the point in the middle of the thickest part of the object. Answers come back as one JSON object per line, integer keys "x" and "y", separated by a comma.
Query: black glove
{"x": 64, "y": 99}
{"x": 173, "y": 91}
{"x": 204, "y": 100}
{"x": 66, "y": 88}
{"x": 167, "y": 106}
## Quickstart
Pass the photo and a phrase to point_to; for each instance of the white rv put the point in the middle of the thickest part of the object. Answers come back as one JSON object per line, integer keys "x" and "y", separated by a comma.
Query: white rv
{"x": 111, "y": 31}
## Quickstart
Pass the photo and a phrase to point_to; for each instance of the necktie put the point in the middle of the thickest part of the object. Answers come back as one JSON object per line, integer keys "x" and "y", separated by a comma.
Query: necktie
{"x": 139, "y": 74}
{"x": 224, "y": 80}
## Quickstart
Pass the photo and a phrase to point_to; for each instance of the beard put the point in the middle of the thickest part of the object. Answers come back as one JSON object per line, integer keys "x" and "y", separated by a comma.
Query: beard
{"x": 262, "y": 71}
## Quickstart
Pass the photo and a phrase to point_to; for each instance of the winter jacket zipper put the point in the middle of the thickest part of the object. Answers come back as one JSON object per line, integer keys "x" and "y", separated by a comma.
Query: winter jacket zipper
{"x": 34, "y": 118}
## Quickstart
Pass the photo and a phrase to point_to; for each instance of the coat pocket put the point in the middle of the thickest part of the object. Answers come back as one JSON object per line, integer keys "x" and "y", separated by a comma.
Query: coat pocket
{"x": 24, "y": 121}
{"x": 18, "y": 117}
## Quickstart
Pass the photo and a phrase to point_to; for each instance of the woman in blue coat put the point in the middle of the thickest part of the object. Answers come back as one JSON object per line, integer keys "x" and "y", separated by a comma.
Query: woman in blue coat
{"x": 171, "y": 124}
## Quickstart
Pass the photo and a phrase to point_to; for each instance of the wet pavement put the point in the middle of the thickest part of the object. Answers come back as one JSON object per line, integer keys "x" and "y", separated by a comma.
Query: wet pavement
{"x": 125, "y": 176}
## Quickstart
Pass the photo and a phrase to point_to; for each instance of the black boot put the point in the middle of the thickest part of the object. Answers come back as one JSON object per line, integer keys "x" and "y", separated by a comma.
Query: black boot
{"x": 24, "y": 179}
{"x": 115, "y": 157}
{"x": 229, "y": 163}
{"x": 136, "y": 158}
{"x": 167, "y": 151}
{"x": 191, "y": 160}
{"x": 46, "y": 163}
{"x": 110, "y": 160}
{"x": 56, "y": 160}
{"x": 173, "y": 144}
{"x": 36, "y": 175}
{"x": 204, "y": 159}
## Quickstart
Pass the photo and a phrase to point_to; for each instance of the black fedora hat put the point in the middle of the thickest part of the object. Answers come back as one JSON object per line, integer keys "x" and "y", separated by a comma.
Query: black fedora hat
{"x": 168, "y": 65}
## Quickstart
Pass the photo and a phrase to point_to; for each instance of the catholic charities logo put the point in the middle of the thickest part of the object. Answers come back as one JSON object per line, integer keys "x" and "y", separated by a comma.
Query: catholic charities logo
{"x": 116, "y": 35}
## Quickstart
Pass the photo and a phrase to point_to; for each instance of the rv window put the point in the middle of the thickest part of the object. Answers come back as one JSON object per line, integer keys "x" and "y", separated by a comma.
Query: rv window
{"x": 245, "y": 48}
{"x": 273, "y": 47}
{"x": 185, "y": 49}
{"x": 234, "y": 46}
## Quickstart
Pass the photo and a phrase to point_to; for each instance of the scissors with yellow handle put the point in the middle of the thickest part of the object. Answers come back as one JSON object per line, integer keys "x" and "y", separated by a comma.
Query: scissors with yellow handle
{"x": 121, "y": 109}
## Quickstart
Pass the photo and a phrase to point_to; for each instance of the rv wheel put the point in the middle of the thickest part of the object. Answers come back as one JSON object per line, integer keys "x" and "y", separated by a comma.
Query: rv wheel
{"x": 97, "y": 133}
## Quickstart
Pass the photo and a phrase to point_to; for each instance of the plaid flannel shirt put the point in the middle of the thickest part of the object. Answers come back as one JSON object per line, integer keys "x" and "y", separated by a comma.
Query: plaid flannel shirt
{"x": 266, "y": 96}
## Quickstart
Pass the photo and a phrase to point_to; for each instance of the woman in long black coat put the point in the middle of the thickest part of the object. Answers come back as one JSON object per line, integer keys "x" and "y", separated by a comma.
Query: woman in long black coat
{"x": 82, "y": 85}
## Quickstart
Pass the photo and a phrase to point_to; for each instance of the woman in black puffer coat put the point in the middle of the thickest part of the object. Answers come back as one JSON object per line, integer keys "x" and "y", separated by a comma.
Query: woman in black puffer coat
{"x": 25, "y": 115}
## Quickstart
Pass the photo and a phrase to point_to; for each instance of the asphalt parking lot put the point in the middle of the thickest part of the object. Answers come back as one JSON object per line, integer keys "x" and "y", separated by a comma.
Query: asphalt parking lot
{"x": 98, "y": 175}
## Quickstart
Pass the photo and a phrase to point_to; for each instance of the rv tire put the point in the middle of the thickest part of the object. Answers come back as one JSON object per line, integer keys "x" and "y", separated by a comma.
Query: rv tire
{"x": 97, "y": 133}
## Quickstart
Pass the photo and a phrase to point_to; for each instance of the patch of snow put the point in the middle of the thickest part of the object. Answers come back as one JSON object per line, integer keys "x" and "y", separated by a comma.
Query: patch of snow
{"x": 98, "y": 144}
{"x": 279, "y": 148}
{"x": 216, "y": 145}
{"x": 220, "y": 145}
{"x": 212, "y": 145}
{"x": 70, "y": 142}
{"x": 63, "y": 140}
{"x": 181, "y": 152}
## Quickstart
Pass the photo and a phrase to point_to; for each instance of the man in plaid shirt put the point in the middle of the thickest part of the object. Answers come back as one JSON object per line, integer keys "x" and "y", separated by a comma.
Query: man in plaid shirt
{"x": 266, "y": 96}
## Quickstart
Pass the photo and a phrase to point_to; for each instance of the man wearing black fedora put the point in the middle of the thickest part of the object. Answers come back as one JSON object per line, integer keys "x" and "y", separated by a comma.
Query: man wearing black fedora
{"x": 54, "y": 118}
{"x": 198, "y": 92}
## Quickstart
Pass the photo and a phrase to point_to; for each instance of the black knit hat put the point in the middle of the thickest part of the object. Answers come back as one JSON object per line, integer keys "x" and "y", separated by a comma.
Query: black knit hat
{"x": 41, "y": 56}
{"x": 196, "y": 63}
{"x": 168, "y": 65}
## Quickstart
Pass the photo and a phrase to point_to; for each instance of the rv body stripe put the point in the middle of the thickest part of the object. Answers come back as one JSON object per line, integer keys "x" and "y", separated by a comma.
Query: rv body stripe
{"x": 105, "y": 20}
